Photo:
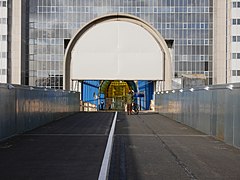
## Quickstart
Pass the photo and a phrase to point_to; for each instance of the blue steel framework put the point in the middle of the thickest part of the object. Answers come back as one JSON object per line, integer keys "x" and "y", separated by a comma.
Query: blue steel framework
{"x": 53, "y": 22}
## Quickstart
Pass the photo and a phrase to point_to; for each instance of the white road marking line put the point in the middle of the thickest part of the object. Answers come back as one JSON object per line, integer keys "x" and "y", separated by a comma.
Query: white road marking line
{"x": 103, "y": 175}
{"x": 64, "y": 135}
{"x": 164, "y": 135}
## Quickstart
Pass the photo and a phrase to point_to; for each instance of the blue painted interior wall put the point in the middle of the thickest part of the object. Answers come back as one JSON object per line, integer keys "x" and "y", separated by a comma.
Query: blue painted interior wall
{"x": 90, "y": 91}
{"x": 146, "y": 87}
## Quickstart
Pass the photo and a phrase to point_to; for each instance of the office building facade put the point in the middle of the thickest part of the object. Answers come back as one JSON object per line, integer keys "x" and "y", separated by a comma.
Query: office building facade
{"x": 35, "y": 33}
{"x": 52, "y": 23}
{"x": 13, "y": 42}
{"x": 234, "y": 39}
{"x": 3, "y": 40}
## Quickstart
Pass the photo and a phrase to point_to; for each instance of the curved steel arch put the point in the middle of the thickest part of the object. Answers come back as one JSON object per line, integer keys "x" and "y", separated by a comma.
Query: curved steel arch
{"x": 120, "y": 17}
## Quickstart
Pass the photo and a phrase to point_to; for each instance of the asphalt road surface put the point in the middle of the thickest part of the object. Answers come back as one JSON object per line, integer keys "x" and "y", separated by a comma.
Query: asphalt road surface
{"x": 71, "y": 148}
{"x": 147, "y": 146}
{"x": 152, "y": 147}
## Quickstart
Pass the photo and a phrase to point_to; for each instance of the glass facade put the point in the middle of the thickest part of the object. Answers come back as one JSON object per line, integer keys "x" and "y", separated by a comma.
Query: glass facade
{"x": 53, "y": 22}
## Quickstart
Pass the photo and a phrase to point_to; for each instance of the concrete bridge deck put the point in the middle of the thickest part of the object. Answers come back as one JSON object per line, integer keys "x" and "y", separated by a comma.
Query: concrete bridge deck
{"x": 146, "y": 146}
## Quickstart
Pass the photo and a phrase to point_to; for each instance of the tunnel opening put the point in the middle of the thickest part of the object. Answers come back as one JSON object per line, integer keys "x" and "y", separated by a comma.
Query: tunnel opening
{"x": 121, "y": 52}
{"x": 114, "y": 94}
{"x": 110, "y": 95}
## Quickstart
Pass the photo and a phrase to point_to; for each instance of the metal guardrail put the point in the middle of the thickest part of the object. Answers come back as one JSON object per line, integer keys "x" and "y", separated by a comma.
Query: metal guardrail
{"x": 23, "y": 108}
{"x": 213, "y": 110}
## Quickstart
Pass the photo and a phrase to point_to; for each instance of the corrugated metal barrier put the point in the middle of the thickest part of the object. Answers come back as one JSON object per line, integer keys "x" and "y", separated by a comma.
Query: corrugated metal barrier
{"x": 213, "y": 110}
{"x": 23, "y": 108}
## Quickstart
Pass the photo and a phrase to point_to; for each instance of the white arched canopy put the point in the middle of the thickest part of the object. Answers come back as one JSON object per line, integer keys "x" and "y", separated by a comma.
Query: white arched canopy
{"x": 117, "y": 50}
{"x": 117, "y": 47}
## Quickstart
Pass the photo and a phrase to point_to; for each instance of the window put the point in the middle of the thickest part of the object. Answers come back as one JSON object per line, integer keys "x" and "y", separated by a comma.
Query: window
{"x": 238, "y": 38}
{"x": 31, "y": 24}
{"x": 238, "y": 72}
{"x": 4, "y": 37}
{"x": 234, "y": 21}
{"x": 4, "y": 20}
{"x": 234, "y": 55}
{"x": 238, "y": 21}
{"x": 138, "y": 9}
{"x": 4, "y": 54}
{"x": 234, "y": 4}
{"x": 234, "y": 73}
{"x": 4, "y": 72}
{"x": 206, "y": 66}
{"x": 234, "y": 39}
{"x": 4, "y": 4}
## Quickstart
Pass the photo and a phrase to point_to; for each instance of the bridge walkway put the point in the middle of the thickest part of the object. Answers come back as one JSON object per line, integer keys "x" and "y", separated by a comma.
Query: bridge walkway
{"x": 146, "y": 146}
{"x": 71, "y": 148}
{"x": 151, "y": 146}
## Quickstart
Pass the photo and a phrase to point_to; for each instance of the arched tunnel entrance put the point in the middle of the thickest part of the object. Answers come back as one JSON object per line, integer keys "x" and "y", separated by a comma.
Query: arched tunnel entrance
{"x": 116, "y": 53}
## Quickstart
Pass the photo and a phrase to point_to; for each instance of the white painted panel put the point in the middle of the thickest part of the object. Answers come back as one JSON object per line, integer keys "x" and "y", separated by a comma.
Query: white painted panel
{"x": 4, "y": 63}
{"x": 117, "y": 50}
{"x": 235, "y": 47}
{"x": 235, "y": 30}
{"x": 3, "y": 78}
{"x": 3, "y": 12}
{"x": 235, "y": 79}
{"x": 235, "y": 12}
{"x": 3, "y": 45}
